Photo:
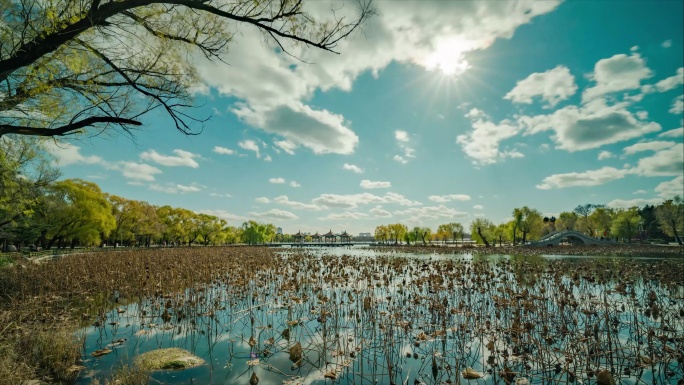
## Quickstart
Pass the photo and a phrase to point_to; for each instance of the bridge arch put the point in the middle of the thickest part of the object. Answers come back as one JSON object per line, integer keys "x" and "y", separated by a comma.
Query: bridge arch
{"x": 575, "y": 237}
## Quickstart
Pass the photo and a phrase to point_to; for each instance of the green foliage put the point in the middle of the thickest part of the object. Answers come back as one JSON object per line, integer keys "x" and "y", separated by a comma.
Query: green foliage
{"x": 626, "y": 224}
{"x": 68, "y": 65}
{"x": 482, "y": 230}
{"x": 254, "y": 233}
{"x": 671, "y": 218}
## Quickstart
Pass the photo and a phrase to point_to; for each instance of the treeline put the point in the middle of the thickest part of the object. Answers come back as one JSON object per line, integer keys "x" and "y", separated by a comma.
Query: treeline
{"x": 36, "y": 209}
{"x": 661, "y": 223}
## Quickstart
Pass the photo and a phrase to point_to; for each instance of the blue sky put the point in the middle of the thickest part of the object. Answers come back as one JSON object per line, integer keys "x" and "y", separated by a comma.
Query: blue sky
{"x": 438, "y": 112}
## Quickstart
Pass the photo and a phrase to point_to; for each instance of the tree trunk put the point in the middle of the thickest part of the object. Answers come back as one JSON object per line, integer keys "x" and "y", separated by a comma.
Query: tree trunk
{"x": 515, "y": 230}
{"x": 479, "y": 232}
{"x": 674, "y": 231}
{"x": 524, "y": 237}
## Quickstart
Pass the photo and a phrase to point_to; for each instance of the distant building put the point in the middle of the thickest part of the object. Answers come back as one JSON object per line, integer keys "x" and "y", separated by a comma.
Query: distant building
{"x": 279, "y": 231}
{"x": 362, "y": 235}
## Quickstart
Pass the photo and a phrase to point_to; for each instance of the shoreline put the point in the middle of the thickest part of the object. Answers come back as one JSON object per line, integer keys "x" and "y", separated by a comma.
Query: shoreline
{"x": 626, "y": 250}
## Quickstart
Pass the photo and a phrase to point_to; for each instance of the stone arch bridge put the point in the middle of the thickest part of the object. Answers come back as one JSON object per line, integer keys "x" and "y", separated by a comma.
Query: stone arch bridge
{"x": 574, "y": 237}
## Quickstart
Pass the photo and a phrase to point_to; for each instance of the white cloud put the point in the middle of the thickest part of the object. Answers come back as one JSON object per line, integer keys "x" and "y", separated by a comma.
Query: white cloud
{"x": 136, "y": 171}
{"x": 223, "y": 150}
{"x": 379, "y": 212}
{"x": 628, "y": 203}
{"x": 617, "y": 73}
{"x": 217, "y": 195}
{"x": 677, "y": 105}
{"x": 478, "y": 207}
{"x": 346, "y": 215}
{"x": 353, "y": 168}
{"x": 605, "y": 155}
{"x": 400, "y": 159}
{"x": 250, "y": 145}
{"x": 367, "y": 184}
{"x": 482, "y": 143}
{"x": 671, "y": 188}
{"x": 669, "y": 162}
{"x": 640, "y": 192}
{"x": 647, "y": 146}
{"x": 553, "y": 86}
{"x": 66, "y": 154}
{"x": 171, "y": 188}
{"x": 642, "y": 115}
{"x": 448, "y": 198}
{"x": 262, "y": 200}
{"x": 286, "y": 146}
{"x": 181, "y": 159}
{"x": 284, "y": 200}
{"x": 433, "y": 34}
{"x": 675, "y": 133}
{"x": 275, "y": 214}
{"x": 667, "y": 44}
{"x": 590, "y": 126}
{"x": 267, "y": 158}
{"x": 223, "y": 214}
{"x": 319, "y": 130}
{"x": 671, "y": 82}
{"x": 294, "y": 184}
{"x": 354, "y": 200}
{"x": 584, "y": 179}
{"x": 277, "y": 180}
{"x": 430, "y": 212}
{"x": 401, "y": 136}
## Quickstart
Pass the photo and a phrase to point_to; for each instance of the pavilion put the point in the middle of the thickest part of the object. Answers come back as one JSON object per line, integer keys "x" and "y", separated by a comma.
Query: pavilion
{"x": 329, "y": 237}
{"x": 299, "y": 237}
{"x": 316, "y": 237}
{"x": 345, "y": 237}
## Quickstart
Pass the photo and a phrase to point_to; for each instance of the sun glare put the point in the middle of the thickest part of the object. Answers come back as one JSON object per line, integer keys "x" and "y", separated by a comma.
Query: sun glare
{"x": 448, "y": 57}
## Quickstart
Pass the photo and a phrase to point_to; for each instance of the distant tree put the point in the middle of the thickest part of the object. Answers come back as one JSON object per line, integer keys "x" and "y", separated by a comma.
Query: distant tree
{"x": 25, "y": 175}
{"x": 80, "y": 214}
{"x": 381, "y": 233}
{"x": 651, "y": 223}
{"x": 626, "y": 223}
{"x": 444, "y": 232}
{"x": 566, "y": 221}
{"x": 670, "y": 215}
{"x": 482, "y": 230}
{"x": 397, "y": 231}
{"x": 602, "y": 218}
{"x": 529, "y": 221}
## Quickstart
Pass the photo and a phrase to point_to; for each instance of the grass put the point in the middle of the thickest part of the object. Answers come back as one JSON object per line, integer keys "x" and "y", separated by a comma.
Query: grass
{"x": 126, "y": 375}
{"x": 167, "y": 359}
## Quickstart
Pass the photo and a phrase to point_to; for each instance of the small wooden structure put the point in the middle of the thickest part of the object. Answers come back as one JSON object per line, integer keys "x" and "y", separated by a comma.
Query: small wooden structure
{"x": 316, "y": 237}
{"x": 299, "y": 237}
{"x": 329, "y": 237}
{"x": 345, "y": 237}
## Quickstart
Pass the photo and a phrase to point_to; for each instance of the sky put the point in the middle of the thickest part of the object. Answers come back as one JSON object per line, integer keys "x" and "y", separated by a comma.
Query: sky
{"x": 435, "y": 112}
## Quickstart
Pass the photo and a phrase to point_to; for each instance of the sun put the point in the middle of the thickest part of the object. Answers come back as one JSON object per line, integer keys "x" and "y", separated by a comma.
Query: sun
{"x": 448, "y": 57}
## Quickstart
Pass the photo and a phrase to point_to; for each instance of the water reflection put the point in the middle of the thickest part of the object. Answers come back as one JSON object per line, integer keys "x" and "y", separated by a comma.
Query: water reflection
{"x": 357, "y": 316}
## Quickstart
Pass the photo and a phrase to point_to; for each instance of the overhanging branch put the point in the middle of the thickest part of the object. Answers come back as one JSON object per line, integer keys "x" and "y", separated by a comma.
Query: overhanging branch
{"x": 67, "y": 128}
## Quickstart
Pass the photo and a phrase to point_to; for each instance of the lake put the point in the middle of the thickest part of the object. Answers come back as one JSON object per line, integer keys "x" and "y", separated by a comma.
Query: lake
{"x": 378, "y": 317}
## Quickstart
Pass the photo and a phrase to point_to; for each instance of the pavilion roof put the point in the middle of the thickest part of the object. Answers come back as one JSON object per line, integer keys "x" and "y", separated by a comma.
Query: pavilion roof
{"x": 316, "y": 235}
{"x": 329, "y": 234}
{"x": 344, "y": 234}
{"x": 299, "y": 234}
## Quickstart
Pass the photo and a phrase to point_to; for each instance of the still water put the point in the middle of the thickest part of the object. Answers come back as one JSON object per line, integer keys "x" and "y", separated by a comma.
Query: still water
{"x": 373, "y": 317}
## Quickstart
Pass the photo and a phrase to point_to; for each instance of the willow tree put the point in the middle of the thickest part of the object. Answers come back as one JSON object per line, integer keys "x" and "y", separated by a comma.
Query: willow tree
{"x": 24, "y": 176}
{"x": 68, "y": 66}
{"x": 670, "y": 215}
